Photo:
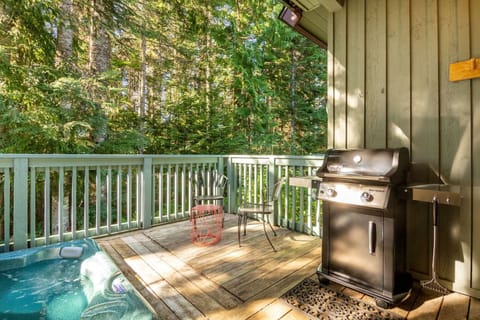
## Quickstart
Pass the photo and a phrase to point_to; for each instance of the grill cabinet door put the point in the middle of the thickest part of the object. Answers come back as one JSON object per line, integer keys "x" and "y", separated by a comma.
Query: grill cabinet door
{"x": 356, "y": 245}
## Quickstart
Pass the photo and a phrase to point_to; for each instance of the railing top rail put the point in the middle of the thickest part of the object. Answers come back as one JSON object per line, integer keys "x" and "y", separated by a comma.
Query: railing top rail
{"x": 313, "y": 160}
{"x": 53, "y": 160}
{"x": 89, "y": 160}
{"x": 6, "y": 163}
{"x": 318, "y": 156}
{"x": 166, "y": 156}
{"x": 105, "y": 156}
{"x": 186, "y": 159}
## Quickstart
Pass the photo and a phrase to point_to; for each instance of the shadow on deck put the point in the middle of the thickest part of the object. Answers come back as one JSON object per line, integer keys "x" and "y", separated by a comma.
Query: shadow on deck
{"x": 183, "y": 281}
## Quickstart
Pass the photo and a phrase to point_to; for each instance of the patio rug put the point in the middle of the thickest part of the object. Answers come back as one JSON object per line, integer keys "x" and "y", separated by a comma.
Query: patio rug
{"x": 322, "y": 302}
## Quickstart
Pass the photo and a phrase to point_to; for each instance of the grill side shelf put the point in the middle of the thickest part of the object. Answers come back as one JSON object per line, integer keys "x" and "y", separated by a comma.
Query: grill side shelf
{"x": 305, "y": 182}
{"x": 441, "y": 193}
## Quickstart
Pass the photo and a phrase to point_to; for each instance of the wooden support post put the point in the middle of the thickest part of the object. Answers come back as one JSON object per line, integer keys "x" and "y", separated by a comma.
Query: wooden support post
{"x": 20, "y": 203}
{"x": 147, "y": 202}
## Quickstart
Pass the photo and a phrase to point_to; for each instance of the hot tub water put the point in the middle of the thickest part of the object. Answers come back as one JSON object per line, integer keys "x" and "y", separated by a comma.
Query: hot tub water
{"x": 82, "y": 283}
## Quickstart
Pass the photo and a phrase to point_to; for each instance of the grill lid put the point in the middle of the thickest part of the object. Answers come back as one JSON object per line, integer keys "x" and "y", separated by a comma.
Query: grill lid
{"x": 385, "y": 165}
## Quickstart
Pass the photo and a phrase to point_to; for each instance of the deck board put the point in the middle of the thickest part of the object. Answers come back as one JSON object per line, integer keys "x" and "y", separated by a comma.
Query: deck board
{"x": 183, "y": 281}
{"x": 474, "y": 311}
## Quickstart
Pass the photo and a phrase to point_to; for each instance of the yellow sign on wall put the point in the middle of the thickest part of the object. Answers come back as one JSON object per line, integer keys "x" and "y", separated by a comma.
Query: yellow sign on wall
{"x": 465, "y": 70}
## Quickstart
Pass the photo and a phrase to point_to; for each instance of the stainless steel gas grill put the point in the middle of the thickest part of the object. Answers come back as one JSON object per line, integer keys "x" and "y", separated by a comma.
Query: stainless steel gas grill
{"x": 364, "y": 221}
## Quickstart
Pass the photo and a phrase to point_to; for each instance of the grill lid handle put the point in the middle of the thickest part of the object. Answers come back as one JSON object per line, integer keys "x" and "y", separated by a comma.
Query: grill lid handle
{"x": 372, "y": 237}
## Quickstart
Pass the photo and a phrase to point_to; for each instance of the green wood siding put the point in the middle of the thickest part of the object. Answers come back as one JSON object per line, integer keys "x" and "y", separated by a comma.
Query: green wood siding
{"x": 475, "y": 107}
{"x": 389, "y": 87}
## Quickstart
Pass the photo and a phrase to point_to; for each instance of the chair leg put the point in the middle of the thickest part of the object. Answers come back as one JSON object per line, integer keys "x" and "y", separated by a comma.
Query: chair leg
{"x": 223, "y": 217}
{"x": 240, "y": 217}
{"x": 245, "y": 218}
{"x": 268, "y": 220}
{"x": 266, "y": 234}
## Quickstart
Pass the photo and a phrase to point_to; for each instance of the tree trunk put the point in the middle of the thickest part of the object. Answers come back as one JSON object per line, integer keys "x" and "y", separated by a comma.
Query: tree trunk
{"x": 143, "y": 86}
{"x": 65, "y": 34}
{"x": 99, "y": 54}
{"x": 293, "y": 103}
{"x": 99, "y": 51}
{"x": 208, "y": 107}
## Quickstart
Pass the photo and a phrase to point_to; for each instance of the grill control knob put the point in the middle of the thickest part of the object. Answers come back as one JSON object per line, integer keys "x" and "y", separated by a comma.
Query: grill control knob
{"x": 331, "y": 192}
{"x": 366, "y": 196}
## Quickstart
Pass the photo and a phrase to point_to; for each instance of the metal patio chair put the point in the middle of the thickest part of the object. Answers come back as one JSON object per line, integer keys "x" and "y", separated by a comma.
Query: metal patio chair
{"x": 264, "y": 208}
{"x": 209, "y": 189}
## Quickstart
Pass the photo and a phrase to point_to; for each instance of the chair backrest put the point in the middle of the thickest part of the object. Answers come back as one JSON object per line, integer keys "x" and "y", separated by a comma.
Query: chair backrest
{"x": 276, "y": 189}
{"x": 219, "y": 182}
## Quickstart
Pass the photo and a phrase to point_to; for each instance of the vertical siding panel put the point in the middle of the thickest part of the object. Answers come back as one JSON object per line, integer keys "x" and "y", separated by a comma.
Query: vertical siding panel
{"x": 398, "y": 73}
{"x": 424, "y": 66}
{"x": 340, "y": 26}
{"x": 376, "y": 86}
{"x": 475, "y": 52}
{"x": 424, "y": 124}
{"x": 455, "y": 143}
{"x": 356, "y": 74}
{"x": 331, "y": 81}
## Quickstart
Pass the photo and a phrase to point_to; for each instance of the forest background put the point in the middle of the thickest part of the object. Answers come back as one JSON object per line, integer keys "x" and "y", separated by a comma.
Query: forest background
{"x": 158, "y": 77}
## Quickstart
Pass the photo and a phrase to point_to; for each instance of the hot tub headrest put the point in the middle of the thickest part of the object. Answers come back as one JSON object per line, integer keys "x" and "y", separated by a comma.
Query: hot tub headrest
{"x": 71, "y": 252}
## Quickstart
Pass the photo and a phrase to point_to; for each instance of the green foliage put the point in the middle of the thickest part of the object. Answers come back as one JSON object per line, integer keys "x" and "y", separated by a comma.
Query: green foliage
{"x": 218, "y": 77}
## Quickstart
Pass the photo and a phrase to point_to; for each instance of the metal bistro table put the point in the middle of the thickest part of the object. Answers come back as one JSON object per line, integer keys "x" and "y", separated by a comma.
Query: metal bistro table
{"x": 435, "y": 194}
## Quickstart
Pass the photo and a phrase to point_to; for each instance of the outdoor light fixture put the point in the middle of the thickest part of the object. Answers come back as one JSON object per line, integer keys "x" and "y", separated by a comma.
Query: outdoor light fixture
{"x": 290, "y": 17}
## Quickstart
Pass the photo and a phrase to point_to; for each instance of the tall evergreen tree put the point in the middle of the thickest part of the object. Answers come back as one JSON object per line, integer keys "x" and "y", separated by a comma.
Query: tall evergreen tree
{"x": 122, "y": 76}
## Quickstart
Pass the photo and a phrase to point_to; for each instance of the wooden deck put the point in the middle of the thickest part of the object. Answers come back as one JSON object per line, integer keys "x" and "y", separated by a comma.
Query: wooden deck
{"x": 184, "y": 281}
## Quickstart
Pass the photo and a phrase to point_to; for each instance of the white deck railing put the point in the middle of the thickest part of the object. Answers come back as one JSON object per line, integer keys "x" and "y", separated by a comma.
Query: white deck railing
{"x": 53, "y": 198}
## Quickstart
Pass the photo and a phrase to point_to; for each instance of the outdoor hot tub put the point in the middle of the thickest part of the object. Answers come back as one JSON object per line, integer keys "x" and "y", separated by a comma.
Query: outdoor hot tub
{"x": 69, "y": 280}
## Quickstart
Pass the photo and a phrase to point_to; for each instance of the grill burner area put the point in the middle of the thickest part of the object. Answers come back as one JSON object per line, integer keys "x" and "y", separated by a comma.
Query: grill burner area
{"x": 354, "y": 194}
{"x": 364, "y": 221}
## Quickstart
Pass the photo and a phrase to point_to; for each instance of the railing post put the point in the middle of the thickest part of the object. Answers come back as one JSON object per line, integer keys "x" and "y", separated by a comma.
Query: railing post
{"x": 231, "y": 187}
{"x": 272, "y": 173}
{"x": 147, "y": 201}
{"x": 20, "y": 203}
{"x": 220, "y": 165}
